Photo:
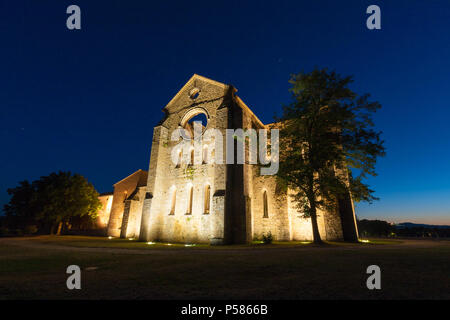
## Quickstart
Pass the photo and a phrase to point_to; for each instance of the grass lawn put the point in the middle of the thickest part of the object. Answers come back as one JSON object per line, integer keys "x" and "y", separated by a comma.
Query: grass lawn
{"x": 35, "y": 268}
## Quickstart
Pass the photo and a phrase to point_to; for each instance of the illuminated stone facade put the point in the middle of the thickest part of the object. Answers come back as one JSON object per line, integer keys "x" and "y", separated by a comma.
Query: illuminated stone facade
{"x": 126, "y": 209}
{"x": 212, "y": 203}
{"x": 104, "y": 213}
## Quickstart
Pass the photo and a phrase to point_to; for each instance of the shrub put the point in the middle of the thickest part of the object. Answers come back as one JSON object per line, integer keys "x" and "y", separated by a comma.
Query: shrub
{"x": 32, "y": 229}
{"x": 267, "y": 238}
{"x": 4, "y": 231}
{"x": 18, "y": 232}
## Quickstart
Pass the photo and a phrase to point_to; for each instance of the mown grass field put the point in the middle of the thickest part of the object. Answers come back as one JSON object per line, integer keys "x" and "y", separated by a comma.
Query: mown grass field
{"x": 35, "y": 268}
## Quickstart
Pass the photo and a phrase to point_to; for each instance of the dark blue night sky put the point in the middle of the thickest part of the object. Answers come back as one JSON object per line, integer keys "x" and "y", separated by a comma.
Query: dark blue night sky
{"x": 87, "y": 100}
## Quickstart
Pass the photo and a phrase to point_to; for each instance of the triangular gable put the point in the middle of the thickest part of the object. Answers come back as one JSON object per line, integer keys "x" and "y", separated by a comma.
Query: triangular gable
{"x": 191, "y": 81}
{"x": 140, "y": 171}
{"x": 221, "y": 85}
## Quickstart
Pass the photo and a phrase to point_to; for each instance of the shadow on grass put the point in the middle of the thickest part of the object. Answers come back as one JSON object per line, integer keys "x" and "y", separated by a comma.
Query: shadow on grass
{"x": 108, "y": 242}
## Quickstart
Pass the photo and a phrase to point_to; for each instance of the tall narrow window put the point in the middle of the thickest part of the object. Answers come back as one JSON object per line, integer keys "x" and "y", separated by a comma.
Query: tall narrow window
{"x": 207, "y": 200}
{"x": 205, "y": 154}
{"x": 180, "y": 157}
{"x": 192, "y": 158}
{"x": 173, "y": 201}
{"x": 265, "y": 204}
{"x": 190, "y": 198}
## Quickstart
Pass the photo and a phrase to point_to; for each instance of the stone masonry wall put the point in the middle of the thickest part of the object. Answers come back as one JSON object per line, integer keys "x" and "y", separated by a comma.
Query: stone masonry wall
{"x": 122, "y": 190}
{"x": 165, "y": 177}
{"x": 105, "y": 211}
{"x": 236, "y": 208}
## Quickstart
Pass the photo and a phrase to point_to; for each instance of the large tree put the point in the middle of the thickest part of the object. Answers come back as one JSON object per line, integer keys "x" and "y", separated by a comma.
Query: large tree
{"x": 20, "y": 211}
{"x": 52, "y": 200}
{"x": 328, "y": 145}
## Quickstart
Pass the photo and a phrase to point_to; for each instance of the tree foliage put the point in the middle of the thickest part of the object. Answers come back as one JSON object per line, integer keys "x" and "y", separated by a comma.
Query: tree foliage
{"x": 326, "y": 130}
{"x": 375, "y": 228}
{"x": 52, "y": 200}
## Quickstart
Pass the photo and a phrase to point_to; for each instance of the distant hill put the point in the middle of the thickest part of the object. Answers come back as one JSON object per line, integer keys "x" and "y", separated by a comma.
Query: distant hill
{"x": 380, "y": 228}
{"x": 407, "y": 225}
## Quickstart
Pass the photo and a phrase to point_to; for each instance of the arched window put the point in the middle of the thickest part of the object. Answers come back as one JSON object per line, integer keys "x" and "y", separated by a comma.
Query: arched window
{"x": 265, "y": 204}
{"x": 207, "y": 199}
{"x": 190, "y": 198}
{"x": 196, "y": 115}
{"x": 173, "y": 201}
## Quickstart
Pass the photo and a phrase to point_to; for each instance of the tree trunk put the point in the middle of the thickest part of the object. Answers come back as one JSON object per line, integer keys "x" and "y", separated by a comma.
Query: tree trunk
{"x": 52, "y": 229}
{"x": 315, "y": 227}
{"x": 313, "y": 210}
{"x": 58, "y": 233}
